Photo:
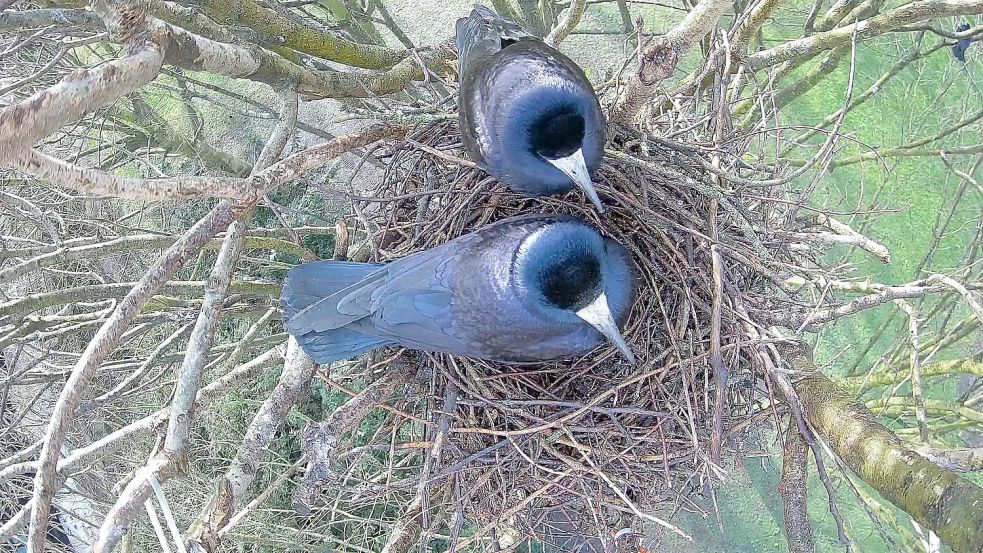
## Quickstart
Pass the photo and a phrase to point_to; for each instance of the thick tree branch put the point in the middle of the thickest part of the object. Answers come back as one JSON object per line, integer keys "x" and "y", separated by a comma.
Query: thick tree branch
{"x": 278, "y": 30}
{"x": 960, "y": 459}
{"x": 68, "y": 20}
{"x": 913, "y": 12}
{"x": 794, "y": 488}
{"x": 78, "y": 94}
{"x": 938, "y": 499}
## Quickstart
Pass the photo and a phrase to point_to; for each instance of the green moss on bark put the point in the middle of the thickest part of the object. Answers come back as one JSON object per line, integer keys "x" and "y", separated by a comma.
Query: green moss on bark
{"x": 938, "y": 499}
{"x": 277, "y": 30}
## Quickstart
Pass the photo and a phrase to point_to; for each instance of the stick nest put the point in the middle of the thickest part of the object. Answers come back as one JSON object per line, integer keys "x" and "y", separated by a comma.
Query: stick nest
{"x": 579, "y": 449}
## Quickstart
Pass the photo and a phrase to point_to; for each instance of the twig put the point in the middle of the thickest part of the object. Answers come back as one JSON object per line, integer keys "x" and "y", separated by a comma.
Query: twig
{"x": 971, "y": 301}
{"x": 165, "y": 545}
{"x": 168, "y": 516}
{"x": 720, "y": 372}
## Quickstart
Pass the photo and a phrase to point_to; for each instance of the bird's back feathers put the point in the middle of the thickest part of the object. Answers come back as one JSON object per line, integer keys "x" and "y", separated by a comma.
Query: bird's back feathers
{"x": 483, "y": 33}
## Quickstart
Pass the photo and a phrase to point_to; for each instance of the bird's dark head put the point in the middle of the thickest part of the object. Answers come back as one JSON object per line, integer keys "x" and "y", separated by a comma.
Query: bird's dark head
{"x": 554, "y": 140}
{"x": 569, "y": 269}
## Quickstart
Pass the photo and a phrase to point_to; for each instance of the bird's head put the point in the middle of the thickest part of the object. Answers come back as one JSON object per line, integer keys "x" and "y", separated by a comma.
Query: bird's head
{"x": 554, "y": 140}
{"x": 557, "y": 136}
{"x": 570, "y": 270}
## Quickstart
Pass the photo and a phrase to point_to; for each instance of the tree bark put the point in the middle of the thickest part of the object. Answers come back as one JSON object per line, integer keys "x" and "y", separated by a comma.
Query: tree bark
{"x": 938, "y": 499}
{"x": 795, "y": 476}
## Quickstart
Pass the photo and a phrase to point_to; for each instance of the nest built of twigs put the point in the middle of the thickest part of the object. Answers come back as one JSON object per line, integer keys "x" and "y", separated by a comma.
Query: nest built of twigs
{"x": 591, "y": 446}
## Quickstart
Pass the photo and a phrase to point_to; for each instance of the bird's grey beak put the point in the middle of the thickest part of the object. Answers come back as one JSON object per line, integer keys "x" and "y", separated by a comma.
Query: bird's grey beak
{"x": 598, "y": 315}
{"x": 575, "y": 167}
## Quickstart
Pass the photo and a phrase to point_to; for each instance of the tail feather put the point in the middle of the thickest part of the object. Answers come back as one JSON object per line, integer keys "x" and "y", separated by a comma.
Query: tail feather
{"x": 483, "y": 33}
{"x": 338, "y": 344}
{"x": 310, "y": 283}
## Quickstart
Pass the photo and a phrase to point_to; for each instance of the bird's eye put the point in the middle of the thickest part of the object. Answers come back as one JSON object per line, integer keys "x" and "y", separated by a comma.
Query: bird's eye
{"x": 558, "y": 133}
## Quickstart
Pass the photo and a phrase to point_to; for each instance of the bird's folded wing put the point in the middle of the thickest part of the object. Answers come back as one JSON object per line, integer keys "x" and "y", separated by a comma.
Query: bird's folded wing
{"x": 422, "y": 319}
{"x": 415, "y": 307}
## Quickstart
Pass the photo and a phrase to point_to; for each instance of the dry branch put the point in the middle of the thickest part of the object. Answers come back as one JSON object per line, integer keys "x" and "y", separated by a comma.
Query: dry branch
{"x": 659, "y": 58}
{"x": 247, "y": 190}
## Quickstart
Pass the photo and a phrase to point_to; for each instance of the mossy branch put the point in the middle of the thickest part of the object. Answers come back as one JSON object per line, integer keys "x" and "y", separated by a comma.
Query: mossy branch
{"x": 950, "y": 367}
{"x": 277, "y": 30}
{"x": 936, "y": 498}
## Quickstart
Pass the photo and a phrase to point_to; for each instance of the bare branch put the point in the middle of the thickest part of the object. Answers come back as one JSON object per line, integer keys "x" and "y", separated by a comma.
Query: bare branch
{"x": 249, "y": 190}
{"x": 969, "y": 297}
{"x": 23, "y": 124}
{"x": 912, "y": 12}
{"x": 275, "y": 29}
{"x": 961, "y": 459}
{"x": 68, "y": 20}
{"x": 659, "y": 58}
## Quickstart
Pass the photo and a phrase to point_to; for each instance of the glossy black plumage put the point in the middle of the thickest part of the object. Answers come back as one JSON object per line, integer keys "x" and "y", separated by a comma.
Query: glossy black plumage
{"x": 524, "y": 107}
{"x": 959, "y": 50}
{"x": 517, "y": 290}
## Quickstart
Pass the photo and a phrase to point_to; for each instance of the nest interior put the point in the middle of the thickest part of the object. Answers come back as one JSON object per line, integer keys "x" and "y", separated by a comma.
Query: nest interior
{"x": 572, "y": 452}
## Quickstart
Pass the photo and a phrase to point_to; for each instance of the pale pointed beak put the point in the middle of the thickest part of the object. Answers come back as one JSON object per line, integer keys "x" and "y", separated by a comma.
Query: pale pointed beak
{"x": 575, "y": 167}
{"x": 598, "y": 315}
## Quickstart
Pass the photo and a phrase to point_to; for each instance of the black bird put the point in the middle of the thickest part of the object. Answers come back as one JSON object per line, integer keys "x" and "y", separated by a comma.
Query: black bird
{"x": 528, "y": 114}
{"x": 959, "y": 50}
{"x": 526, "y": 289}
